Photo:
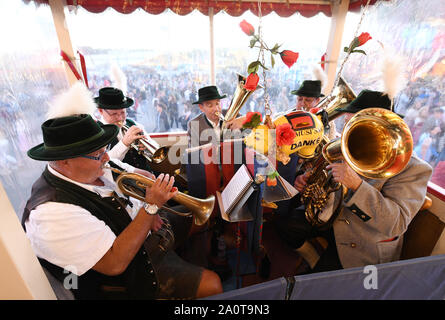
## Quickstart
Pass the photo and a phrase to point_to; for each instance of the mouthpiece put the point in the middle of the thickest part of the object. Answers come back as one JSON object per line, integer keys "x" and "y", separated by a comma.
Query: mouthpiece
{"x": 108, "y": 167}
{"x": 219, "y": 115}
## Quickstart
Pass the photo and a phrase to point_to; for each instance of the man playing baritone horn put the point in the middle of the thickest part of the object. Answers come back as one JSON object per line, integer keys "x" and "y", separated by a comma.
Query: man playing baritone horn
{"x": 78, "y": 220}
{"x": 375, "y": 212}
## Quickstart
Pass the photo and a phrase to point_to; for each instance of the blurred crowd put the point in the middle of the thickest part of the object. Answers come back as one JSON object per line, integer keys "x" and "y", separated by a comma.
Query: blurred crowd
{"x": 163, "y": 101}
{"x": 423, "y": 107}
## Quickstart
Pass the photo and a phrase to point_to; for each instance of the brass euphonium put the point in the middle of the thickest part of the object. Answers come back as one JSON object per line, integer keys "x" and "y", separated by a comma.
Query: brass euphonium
{"x": 239, "y": 99}
{"x": 134, "y": 185}
{"x": 376, "y": 143}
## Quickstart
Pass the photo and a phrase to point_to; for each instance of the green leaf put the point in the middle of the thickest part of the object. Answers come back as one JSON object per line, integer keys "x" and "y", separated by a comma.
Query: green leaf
{"x": 264, "y": 67}
{"x": 252, "y": 42}
{"x": 345, "y": 49}
{"x": 273, "y": 175}
{"x": 275, "y": 48}
{"x": 360, "y": 51}
{"x": 272, "y": 60}
{"x": 253, "y": 67}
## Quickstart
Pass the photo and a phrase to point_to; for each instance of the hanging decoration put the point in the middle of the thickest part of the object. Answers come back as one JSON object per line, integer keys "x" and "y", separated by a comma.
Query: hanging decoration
{"x": 73, "y": 67}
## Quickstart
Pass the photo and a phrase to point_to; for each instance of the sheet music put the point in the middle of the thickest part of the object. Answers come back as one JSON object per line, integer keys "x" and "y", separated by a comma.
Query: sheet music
{"x": 236, "y": 188}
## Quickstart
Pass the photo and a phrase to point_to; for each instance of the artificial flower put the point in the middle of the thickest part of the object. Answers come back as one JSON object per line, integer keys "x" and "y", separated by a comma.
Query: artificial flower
{"x": 247, "y": 28}
{"x": 251, "y": 82}
{"x": 253, "y": 119}
{"x": 271, "y": 180}
{"x": 289, "y": 57}
{"x": 357, "y": 42}
{"x": 314, "y": 110}
{"x": 363, "y": 38}
{"x": 285, "y": 134}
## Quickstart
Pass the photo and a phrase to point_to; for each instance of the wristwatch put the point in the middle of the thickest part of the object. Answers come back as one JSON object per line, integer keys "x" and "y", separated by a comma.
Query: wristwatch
{"x": 151, "y": 208}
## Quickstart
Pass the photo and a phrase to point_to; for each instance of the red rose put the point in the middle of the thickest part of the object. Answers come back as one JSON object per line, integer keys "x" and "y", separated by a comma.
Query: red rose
{"x": 285, "y": 134}
{"x": 253, "y": 117}
{"x": 289, "y": 57}
{"x": 271, "y": 182}
{"x": 252, "y": 82}
{"x": 363, "y": 38}
{"x": 247, "y": 28}
{"x": 314, "y": 110}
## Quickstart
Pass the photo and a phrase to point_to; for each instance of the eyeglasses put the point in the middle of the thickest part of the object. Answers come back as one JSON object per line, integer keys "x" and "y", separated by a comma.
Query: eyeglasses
{"x": 118, "y": 114}
{"x": 99, "y": 157}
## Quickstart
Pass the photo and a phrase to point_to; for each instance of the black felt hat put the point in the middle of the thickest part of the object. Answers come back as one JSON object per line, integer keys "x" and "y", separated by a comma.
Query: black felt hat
{"x": 369, "y": 99}
{"x": 72, "y": 136}
{"x": 309, "y": 88}
{"x": 208, "y": 93}
{"x": 112, "y": 98}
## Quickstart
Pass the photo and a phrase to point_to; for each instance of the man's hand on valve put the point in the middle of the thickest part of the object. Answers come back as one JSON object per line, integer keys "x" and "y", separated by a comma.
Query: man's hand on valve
{"x": 343, "y": 174}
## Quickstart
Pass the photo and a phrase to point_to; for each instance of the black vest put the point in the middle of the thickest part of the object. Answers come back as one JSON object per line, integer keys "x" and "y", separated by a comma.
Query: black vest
{"x": 138, "y": 281}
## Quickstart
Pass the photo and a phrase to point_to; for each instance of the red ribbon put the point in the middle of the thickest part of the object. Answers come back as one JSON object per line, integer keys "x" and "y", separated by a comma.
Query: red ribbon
{"x": 323, "y": 59}
{"x": 70, "y": 64}
{"x": 84, "y": 68}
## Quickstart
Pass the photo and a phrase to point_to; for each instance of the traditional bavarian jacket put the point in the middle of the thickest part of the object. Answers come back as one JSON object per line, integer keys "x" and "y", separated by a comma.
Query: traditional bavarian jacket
{"x": 138, "y": 281}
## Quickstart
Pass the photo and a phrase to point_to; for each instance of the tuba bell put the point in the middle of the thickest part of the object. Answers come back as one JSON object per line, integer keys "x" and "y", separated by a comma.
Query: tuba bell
{"x": 376, "y": 143}
{"x": 134, "y": 184}
{"x": 239, "y": 99}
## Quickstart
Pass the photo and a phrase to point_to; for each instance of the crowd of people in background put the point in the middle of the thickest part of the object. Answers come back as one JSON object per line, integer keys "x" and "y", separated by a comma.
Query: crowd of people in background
{"x": 163, "y": 101}
{"x": 423, "y": 107}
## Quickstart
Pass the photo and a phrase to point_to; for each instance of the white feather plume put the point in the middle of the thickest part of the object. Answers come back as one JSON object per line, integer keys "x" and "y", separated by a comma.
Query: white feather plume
{"x": 118, "y": 78}
{"x": 393, "y": 74}
{"x": 320, "y": 75}
{"x": 76, "y": 100}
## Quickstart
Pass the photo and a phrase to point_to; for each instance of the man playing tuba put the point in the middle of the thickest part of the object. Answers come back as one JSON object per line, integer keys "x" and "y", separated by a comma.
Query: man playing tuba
{"x": 375, "y": 213}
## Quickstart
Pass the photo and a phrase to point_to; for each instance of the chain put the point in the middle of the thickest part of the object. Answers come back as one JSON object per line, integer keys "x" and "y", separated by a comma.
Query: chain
{"x": 337, "y": 79}
{"x": 267, "y": 110}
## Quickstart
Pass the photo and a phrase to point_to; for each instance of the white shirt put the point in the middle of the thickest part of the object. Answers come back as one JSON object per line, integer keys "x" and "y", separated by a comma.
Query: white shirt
{"x": 69, "y": 236}
{"x": 120, "y": 149}
{"x": 215, "y": 125}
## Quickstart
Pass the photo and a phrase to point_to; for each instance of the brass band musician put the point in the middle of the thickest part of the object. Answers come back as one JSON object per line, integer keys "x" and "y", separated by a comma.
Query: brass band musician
{"x": 78, "y": 221}
{"x": 112, "y": 105}
{"x": 375, "y": 213}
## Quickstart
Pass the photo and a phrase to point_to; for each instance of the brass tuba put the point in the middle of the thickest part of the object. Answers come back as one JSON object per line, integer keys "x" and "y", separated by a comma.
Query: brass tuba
{"x": 376, "y": 143}
{"x": 133, "y": 185}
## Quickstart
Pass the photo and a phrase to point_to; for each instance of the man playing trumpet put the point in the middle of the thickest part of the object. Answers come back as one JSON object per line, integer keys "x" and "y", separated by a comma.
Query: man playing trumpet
{"x": 112, "y": 105}
{"x": 78, "y": 221}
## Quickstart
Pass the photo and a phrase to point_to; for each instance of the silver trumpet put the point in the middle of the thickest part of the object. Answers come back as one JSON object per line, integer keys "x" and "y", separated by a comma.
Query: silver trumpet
{"x": 153, "y": 152}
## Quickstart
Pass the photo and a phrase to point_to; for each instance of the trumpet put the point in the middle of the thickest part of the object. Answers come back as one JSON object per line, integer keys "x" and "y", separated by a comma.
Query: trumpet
{"x": 153, "y": 152}
{"x": 134, "y": 185}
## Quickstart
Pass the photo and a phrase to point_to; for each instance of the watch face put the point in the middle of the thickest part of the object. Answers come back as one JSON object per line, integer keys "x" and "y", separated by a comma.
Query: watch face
{"x": 151, "y": 208}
